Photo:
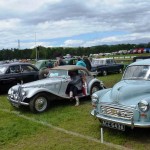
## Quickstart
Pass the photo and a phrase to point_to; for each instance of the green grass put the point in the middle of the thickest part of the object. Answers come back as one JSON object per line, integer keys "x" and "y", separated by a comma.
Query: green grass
{"x": 19, "y": 133}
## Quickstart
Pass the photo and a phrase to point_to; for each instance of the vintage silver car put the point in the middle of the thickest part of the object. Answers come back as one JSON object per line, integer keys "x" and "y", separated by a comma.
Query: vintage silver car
{"x": 128, "y": 102}
{"x": 37, "y": 95}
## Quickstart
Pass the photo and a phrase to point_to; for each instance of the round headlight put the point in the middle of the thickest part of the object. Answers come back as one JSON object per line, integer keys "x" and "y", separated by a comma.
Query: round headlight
{"x": 143, "y": 105}
{"x": 94, "y": 98}
{"x": 23, "y": 93}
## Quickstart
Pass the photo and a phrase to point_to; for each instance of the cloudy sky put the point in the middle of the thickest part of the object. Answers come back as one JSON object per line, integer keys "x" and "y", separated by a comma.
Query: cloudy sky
{"x": 73, "y": 23}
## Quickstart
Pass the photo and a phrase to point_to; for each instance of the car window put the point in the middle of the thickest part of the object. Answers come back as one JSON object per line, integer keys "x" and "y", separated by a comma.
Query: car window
{"x": 27, "y": 68}
{"x": 3, "y": 69}
{"x": 57, "y": 73}
{"x": 137, "y": 72}
{"x": 14, "y": 69}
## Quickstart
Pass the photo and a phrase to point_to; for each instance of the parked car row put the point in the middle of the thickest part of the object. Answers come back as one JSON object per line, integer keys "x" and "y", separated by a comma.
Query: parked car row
{"x": 126, "y": 104}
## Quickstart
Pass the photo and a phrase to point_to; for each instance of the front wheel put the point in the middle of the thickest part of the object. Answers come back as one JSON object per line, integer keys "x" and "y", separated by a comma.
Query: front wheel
{"x": 95, "y": 87}
{"x": 104, "y": 73}
{"x": 39, "y": 103}
{"x": 120, "y": 71}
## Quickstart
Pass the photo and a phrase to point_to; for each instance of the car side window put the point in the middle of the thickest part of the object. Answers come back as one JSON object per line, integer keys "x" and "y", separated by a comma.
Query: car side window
{"x": 108, "y": 61}
{"x": 14, "y": 69}
{"x": 27, "y": 68}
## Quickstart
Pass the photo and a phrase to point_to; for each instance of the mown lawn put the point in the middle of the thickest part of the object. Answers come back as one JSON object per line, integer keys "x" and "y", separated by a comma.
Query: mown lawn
{"x": 20, "y": 133}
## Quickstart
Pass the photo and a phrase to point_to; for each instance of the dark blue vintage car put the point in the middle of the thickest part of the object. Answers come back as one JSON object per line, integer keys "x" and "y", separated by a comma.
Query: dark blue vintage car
{"x": 103, "y": 66}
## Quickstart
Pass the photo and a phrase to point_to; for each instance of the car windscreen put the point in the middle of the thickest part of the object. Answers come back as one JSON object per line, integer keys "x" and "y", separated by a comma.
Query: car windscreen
{"x": 137, "y": 72}
{"x": 97, "y": 62}
{"x": 57, "y": 73}
{"x": 3, "y": 69}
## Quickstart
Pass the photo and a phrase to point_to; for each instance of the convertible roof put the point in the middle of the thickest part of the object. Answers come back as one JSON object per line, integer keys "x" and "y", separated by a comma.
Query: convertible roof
{"x": 69, "y": 67}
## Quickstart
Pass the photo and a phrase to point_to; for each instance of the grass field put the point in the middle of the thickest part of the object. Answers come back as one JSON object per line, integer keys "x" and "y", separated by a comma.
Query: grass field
{"x": 55, "y": 129}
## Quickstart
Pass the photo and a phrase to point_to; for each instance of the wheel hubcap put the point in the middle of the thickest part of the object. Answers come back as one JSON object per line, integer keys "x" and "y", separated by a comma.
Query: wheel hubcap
{"x": 40, "y": 104}
{"x": 95, "y": 89}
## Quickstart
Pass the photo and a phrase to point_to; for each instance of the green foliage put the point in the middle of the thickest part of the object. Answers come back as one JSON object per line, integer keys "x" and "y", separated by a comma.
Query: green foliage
{"x": 52, "y": 52}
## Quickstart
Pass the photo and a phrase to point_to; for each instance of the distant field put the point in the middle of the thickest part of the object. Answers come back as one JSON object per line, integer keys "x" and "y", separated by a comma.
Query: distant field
{"x": 20, "y": 129}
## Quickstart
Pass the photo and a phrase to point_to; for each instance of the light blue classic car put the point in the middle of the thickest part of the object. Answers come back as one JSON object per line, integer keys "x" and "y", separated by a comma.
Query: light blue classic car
{"x": 38, "y": 94}
{"x": 128, "y": 102}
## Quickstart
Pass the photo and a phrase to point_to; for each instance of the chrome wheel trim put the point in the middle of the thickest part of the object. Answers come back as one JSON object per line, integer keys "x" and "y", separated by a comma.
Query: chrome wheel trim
{"x": 41, "y": 104}
{"x": 104, "y": 73}
{"x": 120, "y": 70}
{"x": 95, "y": 89}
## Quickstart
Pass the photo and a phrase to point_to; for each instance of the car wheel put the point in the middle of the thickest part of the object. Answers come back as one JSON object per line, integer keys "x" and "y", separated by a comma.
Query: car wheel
{"x": 95, "y": 87}
{"x": 104, "y": 73}
{"x": 39, "y": 103}
{"x": 120, "y": 71}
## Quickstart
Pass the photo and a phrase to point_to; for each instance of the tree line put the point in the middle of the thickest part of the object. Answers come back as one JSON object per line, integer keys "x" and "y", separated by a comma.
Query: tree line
{"x": 52, "y": 52}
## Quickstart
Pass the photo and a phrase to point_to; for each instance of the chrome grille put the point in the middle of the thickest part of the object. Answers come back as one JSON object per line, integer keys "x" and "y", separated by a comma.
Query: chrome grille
{"x": 117, "y": 112}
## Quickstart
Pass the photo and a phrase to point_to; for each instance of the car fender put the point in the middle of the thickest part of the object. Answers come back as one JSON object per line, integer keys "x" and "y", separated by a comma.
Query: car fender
{"x": 34, "y": 91}
{"x": 101, "y": 93}
{"x": 92, "y": 82}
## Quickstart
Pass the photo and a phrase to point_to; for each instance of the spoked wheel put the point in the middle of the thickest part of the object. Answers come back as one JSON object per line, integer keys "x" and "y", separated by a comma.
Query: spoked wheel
{"x": 39, "y": 103}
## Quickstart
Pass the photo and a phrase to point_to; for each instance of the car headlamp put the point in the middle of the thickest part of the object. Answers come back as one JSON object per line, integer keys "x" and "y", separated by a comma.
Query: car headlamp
{"x": 143, "y": 105}
{"x": 94, "y": 98}
{"x": 23, "y": 93}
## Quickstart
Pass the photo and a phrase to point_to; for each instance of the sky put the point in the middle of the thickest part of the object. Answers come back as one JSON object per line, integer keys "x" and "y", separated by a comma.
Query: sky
{"x": 73, "y": 23}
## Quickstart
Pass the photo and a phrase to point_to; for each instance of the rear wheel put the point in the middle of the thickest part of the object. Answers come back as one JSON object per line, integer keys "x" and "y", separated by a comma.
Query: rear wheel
{"x": 104, "y": 73}
{"x": 39, "y": 103}
{"x": 120, "y": 71}
{"x": 95, "y": 87}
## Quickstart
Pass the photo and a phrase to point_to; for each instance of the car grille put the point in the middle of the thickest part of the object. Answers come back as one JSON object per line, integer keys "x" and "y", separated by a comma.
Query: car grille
{"x": 16, "y": 95}
{"x": 117, "y": 112}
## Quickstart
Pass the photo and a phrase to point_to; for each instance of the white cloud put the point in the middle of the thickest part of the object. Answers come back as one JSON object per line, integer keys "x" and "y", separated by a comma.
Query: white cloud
{"x": 55, "y": 19}
{"x": 73, "y": 43}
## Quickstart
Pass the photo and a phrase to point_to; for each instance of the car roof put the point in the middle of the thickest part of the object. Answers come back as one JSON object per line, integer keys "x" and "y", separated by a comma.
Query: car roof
{"x": 69, "y": 67}
{"x": 141, "y": 62}
{"x": 15, "y": 63}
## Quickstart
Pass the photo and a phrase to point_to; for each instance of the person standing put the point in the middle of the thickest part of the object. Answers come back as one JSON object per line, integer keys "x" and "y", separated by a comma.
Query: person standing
{"x": 80, "y": 62}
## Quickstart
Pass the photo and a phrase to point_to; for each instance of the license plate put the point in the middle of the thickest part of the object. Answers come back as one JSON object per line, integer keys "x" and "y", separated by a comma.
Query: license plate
{"x": 113, "y": 125}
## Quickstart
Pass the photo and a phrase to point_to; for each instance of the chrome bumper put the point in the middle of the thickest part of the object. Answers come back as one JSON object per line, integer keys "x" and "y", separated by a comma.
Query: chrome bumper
{"x": 130, "y": 123}
{"x": 17, "y": 102}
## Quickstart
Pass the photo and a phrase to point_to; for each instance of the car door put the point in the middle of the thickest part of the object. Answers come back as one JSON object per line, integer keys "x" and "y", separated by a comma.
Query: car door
{"x": 29, "y": 73}
{"x": 12, "y": 76}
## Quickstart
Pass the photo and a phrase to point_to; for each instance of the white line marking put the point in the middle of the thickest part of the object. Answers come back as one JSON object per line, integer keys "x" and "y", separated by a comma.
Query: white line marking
{"x": 65, "y": 131}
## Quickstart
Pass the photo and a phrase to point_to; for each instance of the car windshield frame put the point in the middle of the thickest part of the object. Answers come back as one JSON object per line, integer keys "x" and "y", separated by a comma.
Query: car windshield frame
{"x": 3, "y": 69}
{"x": 137, "y": 72}
{"x": 57, "y": 73}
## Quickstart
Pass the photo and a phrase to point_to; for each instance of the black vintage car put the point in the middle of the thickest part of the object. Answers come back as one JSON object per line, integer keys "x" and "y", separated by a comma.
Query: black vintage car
{"x": 17, "y": 72}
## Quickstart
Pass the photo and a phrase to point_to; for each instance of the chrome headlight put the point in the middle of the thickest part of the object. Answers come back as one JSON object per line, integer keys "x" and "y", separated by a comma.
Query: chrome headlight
{"x": 11, "y": 91}
{"x": 94, "y": 98}
{"x": 143, "y": 105}
{"x": 23, "y": 93}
